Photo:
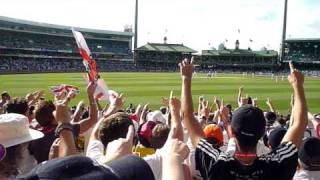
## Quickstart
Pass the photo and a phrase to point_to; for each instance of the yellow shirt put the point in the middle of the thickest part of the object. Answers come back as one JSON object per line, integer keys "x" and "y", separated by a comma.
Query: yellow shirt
{"x": 142, "y": 151}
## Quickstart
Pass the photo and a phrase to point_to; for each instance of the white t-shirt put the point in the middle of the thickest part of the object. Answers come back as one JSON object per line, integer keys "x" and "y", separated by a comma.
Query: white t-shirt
{"x": 306, "y": 175}
{"x": 95, "y": 152}
{"x": 155, "y": 163}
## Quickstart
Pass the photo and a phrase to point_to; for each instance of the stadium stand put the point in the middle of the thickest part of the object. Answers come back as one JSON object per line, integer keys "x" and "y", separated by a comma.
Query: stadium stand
{"x": 239, "y": 59}
{"x": 27, "y": 46}
{"x": 304, "y": 52}
{"x": 162, "y": 56}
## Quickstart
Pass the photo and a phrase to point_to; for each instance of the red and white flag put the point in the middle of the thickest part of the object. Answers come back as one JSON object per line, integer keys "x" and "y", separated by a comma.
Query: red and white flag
{"x": 88, "y": 61}
{"x": 101, "y": 92}
{"x": 64, "y": 88}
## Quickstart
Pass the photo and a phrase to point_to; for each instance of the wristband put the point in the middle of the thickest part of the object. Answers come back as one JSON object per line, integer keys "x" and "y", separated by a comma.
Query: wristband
{"x": 63, "y": 126}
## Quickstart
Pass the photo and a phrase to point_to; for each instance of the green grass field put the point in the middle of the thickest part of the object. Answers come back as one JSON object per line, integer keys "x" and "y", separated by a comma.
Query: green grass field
{"x": 150, "y": 87}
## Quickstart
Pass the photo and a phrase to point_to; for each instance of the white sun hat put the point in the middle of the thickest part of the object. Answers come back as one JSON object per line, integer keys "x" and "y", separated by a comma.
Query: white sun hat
{"x": 156, "y": 116}
{"x": 14, "y": 129}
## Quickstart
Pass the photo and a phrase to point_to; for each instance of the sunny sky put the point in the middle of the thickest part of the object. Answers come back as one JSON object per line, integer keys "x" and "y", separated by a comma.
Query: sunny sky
{"x": 199, "y": 24}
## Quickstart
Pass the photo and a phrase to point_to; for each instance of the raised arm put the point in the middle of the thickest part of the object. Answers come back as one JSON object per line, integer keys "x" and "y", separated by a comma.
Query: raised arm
{"x": 175, "y": 106}
{"x": 78, "y": 112}
{"x": 67, "y": 145}
{"x": 299, "y": 111}
{"x": 224, "y": 114}
{"x": 173, "y": 153}
{"x": 193, "y": 126}
{"x": 240, "y": 96}
{"x": 93, "y": 111}
{"x": 270, "y": 105}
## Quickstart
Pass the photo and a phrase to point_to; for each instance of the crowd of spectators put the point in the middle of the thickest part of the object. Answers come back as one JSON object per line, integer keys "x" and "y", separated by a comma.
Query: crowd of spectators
{"x": 12, "y": 39}
{"x": 46, "y": 139}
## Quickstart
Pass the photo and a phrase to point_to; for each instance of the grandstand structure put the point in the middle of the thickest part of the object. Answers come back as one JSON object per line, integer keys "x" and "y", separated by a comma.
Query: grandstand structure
{"x": 27, "y": 46}
{"x": 304, "y": 52}
{"x": 239, "y": 59}
{"x": 161, "y": 56}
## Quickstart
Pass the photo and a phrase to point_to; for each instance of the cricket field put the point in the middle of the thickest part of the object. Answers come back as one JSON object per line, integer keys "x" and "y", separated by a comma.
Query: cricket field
{"x": 151, "y": 87}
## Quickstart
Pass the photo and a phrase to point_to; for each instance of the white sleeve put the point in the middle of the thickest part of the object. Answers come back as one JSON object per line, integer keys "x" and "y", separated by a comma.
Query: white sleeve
{"x": 95, "y": 151}
{"x": 231, "y": 149}
{"x": 191, "y": 162}
{"x": 261, "y": 148}
{"x": 154, "y": 161}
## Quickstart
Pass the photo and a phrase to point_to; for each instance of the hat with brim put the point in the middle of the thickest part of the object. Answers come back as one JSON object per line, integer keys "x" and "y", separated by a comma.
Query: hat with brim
{"x": 14, "y": 130}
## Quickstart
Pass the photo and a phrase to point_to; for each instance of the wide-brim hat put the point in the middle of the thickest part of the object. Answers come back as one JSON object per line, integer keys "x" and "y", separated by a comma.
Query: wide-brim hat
{"x": 14, "y": 130}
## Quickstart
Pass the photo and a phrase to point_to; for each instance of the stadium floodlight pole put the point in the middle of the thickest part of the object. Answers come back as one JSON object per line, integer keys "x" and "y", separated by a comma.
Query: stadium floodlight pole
{"x": 135, "y": 46}
{"x": 136, "y": 27}
{"x": 284, "y": 30}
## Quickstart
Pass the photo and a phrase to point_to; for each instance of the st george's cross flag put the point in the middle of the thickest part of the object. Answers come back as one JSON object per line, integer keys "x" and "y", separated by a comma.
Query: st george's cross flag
{"x": 101, "y": 92}
{"x": 88, "y": 61}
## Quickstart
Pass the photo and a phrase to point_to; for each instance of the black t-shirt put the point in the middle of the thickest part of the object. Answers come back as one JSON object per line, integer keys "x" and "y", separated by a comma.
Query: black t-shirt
{"x": 279, "y": 164}
{"x": 40, "y": 148}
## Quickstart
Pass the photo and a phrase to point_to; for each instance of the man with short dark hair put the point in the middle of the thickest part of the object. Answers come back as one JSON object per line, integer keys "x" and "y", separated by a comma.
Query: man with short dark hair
{"x": 19, "y": 106}
{"x": 248, "y": 125}
{"x": 114, "y": 127}
{"x": 44, "y": 116}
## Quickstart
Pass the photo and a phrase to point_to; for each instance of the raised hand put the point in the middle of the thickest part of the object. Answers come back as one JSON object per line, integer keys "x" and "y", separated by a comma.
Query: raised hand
{"x": 296, "y": 78}
{"x": 224, "y": 113}
{"x": 186, "y": 68}
{"x": 205, "y": 110}
{"x": 62, "y": 113}
{"x": 241, "y": 89}
{"x": 255, "y": 102}
{"x": 54, "y": 149}
{"x": 120, "y": 147}
{"x": 91, "y": 89}
{"x": 164, "y": 101}
{"x": 143, "y": 117}
{"x": 174, "y": 105}
{"x": 175, "y": 147}
{"x": 269, "y": 102}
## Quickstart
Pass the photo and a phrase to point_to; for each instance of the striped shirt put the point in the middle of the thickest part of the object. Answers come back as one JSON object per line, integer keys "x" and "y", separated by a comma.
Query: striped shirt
{"x": 212, "y": 163}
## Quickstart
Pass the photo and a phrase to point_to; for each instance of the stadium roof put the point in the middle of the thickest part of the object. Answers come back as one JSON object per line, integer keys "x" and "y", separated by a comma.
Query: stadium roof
{"x": 303, "y": 40}
{"x": 239, "y": 52}
{"x": 166, "y": 48}
{"x": 61, "y": 27}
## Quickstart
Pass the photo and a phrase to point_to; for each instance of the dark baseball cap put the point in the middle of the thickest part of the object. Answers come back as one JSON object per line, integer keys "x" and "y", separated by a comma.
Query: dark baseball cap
{"x": 276, "y": 136}
{"x": 248, "y": 123}
{"x": 309, "y": 154}
{"x": 80, "y": 167}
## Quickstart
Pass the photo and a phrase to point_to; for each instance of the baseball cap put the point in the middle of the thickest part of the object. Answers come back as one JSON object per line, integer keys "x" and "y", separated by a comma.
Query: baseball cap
{"x": 213, "y": 131}
{"x": 131, "y": 167}
{"x": 276, "y": 136}
{"x": 80, "y": 167}
{"x": 156, "y": 116}
{"x": 14, "y": 130}
{"x": 270, "y": 118}
{"x": 309, "y": 154}
{"x": 145, "y": 133}
{"x": 248, "y": 123}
